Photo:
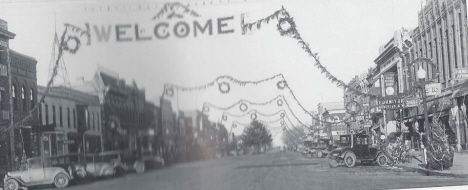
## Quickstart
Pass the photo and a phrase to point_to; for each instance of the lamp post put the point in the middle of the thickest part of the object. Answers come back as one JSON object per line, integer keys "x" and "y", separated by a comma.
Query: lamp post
{"x": 422, "y": 76}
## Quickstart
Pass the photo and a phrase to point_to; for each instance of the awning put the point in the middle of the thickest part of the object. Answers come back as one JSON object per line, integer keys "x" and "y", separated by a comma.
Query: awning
{"x": 462, "y": 91}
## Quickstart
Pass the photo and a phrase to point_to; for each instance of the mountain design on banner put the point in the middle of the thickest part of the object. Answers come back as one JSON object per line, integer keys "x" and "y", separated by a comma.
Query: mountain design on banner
{"x": 175, "y": 10}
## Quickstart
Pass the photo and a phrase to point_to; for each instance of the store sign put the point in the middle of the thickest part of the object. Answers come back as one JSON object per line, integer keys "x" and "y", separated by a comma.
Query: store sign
{"x": 389, "y": 84}
{"x": 433, "y": 89}
{"x": 390, "y": 104}
{"x": 461, "y": 74}
{"x": 344, "y": 132}
{"x": 411, "y": 102}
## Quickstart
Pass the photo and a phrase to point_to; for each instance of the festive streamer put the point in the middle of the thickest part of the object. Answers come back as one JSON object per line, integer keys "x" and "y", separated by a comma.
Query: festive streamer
{"x": 219, "y": 80}
{"x": 286, "y": 26}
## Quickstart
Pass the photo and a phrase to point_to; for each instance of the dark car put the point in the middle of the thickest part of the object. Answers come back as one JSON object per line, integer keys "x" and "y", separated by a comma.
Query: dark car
{"x": 356, "y": 147}
{"x": 318, "y": 149}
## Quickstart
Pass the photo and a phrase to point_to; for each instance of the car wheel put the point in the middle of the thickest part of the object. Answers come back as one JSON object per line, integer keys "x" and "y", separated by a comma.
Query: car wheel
{"x": 350, "y": 159}
{"x": 140, "y": 167}
{"x": 382, "y": 159}
{"x": 61, "y": 180}
{"x": 320, "y": 154}
{"x": 11, "y": 184}
{"x": 332, "y": 162}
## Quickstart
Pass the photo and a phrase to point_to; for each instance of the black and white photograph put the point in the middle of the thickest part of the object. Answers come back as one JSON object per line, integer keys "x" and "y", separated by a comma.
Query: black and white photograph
{"x": 233, "y": 94}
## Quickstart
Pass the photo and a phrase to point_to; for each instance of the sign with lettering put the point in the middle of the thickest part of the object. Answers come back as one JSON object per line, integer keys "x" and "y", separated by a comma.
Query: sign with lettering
{"x": 389, "y": 82}
{"x": 433, "y": 89}
{"x": 390, "y": 104}
{"x": 411, "y": 102}
{"x": 461, "y": 74}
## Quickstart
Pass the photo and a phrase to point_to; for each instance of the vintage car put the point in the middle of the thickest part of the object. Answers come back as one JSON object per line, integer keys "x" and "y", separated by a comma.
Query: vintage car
{"x": 319, "y": 149}
{"x": 98, "y": 166}
{"x": 356, "y": 147}
{"x": 38, "y": 171}
{"x": 73, "y": 163}
{"x": 124, "y": 161}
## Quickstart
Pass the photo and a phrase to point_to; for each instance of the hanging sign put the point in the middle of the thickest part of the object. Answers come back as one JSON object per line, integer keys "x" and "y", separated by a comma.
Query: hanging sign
{"x": 461, "y": 73}
{"x": 411, "y": 102}
{"x": 433, "y": 89}
{"x": 389, "y": 84}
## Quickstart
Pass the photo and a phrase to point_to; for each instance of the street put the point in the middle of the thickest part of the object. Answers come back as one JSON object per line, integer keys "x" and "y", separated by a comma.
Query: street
{"x": 269, "y": 171}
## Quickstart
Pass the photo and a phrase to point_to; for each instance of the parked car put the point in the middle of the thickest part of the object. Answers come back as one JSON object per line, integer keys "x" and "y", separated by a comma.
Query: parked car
{"x": 97, "y": 166}
{"x": 356, "y": 147}
{"x": 38, "y": 171}
{"x": 319, "y": 149}
{"x": 73, "y": 163}
{"x": 124, "y": 161}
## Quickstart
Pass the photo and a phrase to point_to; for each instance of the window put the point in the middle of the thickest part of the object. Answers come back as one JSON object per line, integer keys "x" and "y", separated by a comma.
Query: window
{"x": 23, "y": 98}
{"x": 460, "y": 25}
{"x": 448, "y": 54}
{"x": 74, "y": 118}
{"x": 443, "y": 54}
{"x": 31, "y": 94}
{"x": 40, "y": 113}
{"x": 3, "y": 70}
{"x": 68, "y": 118}
{"x": 15, "y": 101}
{"x": 87, "y": 119}
{"x": 98, "y": 122}
{"x": 94, "y": 124}
{"x": 454, "y": 46}
{"x": 47, "y": 114}
{"x": 61, "y": 116}
{"x": 53, "y": 115}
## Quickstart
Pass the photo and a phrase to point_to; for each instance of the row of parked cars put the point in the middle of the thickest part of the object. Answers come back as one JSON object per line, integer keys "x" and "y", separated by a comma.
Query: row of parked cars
{"x": 61, "y": 170}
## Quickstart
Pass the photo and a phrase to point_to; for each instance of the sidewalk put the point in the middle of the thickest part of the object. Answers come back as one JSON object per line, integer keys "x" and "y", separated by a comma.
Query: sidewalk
{"x": 459, "y": 168}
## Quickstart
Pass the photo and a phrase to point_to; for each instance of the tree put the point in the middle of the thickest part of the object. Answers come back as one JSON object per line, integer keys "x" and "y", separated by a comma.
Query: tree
{"x": 439, "y": 152}
{"x": 256, "y": 135}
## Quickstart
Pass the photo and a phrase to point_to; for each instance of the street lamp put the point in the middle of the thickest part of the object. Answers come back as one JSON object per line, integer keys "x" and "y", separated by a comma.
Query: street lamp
{"x": 422, "y": 76}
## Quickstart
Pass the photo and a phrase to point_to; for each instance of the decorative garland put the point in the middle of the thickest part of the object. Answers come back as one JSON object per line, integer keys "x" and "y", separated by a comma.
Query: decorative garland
{"x": 281, "y": 84}
{"x": 77, "y": 45}
{"x": 170, "y": 91}
{"x": 224, "y": 87}
{"x": 243, "y": 107}
{"x": 170, "y": 7}
{"x": 285, "y": 19}
{"x": 279, "y": 102}
{"x": 206, "y": 109}
{"x": 253, "y": 116}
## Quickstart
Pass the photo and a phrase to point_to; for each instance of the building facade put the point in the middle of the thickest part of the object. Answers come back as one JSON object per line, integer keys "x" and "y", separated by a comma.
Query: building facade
{"x": 441, "y": 36}
{"x": 123, "y": 112}
{"x": 17, "y": 100}
{"x": 76, "y": 120}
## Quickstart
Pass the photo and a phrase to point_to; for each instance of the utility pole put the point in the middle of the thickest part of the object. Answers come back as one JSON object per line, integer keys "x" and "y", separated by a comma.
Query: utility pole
{"x": 11, "y": 130}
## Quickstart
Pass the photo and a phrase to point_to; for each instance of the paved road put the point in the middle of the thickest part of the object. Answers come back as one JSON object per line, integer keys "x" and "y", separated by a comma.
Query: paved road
{"x": 270, "y": 171}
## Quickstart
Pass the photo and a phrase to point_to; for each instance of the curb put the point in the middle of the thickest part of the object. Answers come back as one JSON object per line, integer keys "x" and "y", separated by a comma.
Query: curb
{"x": 432, "y": 172}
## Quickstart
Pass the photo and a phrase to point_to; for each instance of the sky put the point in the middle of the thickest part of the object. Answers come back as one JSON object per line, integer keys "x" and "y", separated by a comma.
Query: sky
{"x": 346, "y": 34}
